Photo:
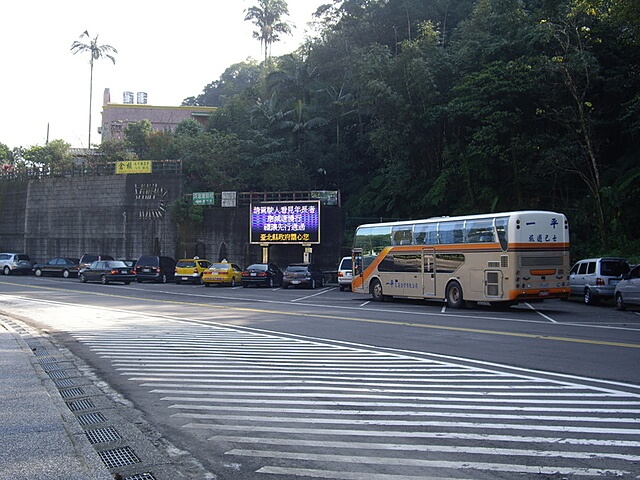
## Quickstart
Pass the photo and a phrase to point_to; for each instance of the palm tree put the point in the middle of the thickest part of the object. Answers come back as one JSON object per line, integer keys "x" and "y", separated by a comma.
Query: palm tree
{"x": 96, "y": 51}
{"x": 266, "y": 16}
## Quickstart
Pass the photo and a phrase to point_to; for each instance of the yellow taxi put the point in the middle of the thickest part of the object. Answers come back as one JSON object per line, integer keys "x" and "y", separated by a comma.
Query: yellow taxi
{"x": 191, "y": 270}
{"x": 222, "y": 273}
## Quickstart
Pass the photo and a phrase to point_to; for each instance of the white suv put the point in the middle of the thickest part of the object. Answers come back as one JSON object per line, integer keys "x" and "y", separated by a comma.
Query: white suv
{"x": 345, "y": 273}
{"x": 15, "y": 263}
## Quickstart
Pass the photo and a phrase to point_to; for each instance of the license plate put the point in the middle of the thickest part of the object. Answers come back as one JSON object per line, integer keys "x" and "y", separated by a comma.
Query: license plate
{"x": 543, "y": 293}
{"x": 146, "y": 270}
{"x": 295, "y": 282}
{"x": 253, "y": 274}
{"x": 124, "y": 271}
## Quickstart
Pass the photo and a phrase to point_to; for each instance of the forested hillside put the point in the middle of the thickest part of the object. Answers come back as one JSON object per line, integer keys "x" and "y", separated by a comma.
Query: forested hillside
{"x": 418, "y": 108}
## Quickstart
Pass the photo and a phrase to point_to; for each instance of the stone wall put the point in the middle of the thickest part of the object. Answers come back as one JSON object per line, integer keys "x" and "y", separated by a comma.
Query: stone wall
{"x": 120, "y": 215}
{"x": 127, "y": 216}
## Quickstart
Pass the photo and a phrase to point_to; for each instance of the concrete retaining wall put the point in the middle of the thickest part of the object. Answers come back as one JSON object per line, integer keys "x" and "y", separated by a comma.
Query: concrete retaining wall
{"x": 127, "y": 216}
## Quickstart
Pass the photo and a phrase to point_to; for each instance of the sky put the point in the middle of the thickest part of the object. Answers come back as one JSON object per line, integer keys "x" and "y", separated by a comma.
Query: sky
{"x": 171, "y": 51}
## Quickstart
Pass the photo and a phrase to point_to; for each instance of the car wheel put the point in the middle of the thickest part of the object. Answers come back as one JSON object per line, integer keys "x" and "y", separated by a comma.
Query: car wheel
{"x": 313, "y": 284}
{"x": 244, "y": 285}
{"x": 103, "y": 279}
{"x": 6, "y": 271}
{"x": 38, "y": 272}
{"x": 65, "y": 273}
{"x": 163, "y": 278}
{"x": 271, "y": 283}
{"x": 342, "y": 288}
{"x": 376, "y": 291}
{"x": 233, "y": 282}
{"x": 207, "y": 284}
{"x": 82, "y": 278}
{"x": 139, "y": 280}
{"x": 620, "y": 305}
{"x": 454, "y": 296}
{"x": 127, "y": 282}
{"x": 589, "y": 298}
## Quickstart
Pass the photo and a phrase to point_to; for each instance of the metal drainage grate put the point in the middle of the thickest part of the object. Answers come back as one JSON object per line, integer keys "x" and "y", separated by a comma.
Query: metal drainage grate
{"x": 64, "y": 383}
{"x": 72, "y": 392}
{"x": 47, "y": 359}
{"x": 102, "y": 435}
{"x": 141, "y": 476}
{"x": 118, "y": 457}
{"x": 50, "y": 367}
{"x": 40, "y": 352}
{"x": 58, "y": 374}
{"x": 80, "y": 405}
{"x": 91, "y": 418}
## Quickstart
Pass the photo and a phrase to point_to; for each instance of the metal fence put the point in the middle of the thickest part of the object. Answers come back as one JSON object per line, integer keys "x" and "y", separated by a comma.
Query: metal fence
{"x": 162, "y": 167}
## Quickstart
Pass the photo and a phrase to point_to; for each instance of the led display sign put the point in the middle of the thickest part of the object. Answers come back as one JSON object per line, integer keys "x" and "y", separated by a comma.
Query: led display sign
{"x": 285, "y": 222}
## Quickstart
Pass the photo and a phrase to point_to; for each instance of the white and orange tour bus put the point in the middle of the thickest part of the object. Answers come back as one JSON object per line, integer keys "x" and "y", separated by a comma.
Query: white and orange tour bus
{"x": 500, "y": 258}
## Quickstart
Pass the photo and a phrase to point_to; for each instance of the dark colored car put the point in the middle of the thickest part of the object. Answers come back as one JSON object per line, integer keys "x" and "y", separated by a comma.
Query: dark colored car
{"x": 88, "y": 258}
{"x": 107, "y": 271}
{"x": 155, "y": 268}
{"x": 302, "y": 275}
{"x": 265, "y": 274}
{"x": 63, "y": 267}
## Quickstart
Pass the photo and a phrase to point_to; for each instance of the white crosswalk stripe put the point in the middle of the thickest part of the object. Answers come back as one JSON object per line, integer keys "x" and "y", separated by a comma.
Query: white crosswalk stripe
{"x": 294, "y": 407}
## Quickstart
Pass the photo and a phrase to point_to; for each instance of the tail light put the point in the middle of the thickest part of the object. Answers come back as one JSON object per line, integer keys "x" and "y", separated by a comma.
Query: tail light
{"x": 600, "y": 281}
{"x": 114, "y": 272}
{"x": 262, "y": 274}
{"x": 340, "y": 274}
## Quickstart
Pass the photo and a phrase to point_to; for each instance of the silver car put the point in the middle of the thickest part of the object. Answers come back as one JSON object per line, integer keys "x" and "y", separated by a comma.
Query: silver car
{"x": 15, "y": 263}
{"x": 628, "y": 290}
{"x": 596, "y": 278}
{"x": 345, "y": 274}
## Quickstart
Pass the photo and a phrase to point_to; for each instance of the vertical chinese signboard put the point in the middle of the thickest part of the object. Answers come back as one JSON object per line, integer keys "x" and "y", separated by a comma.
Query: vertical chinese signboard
{"x": 285, "y": 222}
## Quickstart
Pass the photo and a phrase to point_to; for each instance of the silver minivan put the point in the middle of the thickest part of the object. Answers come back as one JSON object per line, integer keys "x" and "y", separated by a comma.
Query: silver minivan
{"x": 596, "y": 278}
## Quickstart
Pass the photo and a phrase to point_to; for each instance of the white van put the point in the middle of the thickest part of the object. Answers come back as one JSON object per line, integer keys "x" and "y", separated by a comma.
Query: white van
{"x": 345, "y": 274}
{"x": 596, "y": 278}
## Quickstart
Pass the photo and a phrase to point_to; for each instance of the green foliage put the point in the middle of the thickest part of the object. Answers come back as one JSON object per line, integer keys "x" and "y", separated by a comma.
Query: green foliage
{"x": 416, "y": 108}
{"x": 183, "y": 211}
{"x": 137, "y": 134}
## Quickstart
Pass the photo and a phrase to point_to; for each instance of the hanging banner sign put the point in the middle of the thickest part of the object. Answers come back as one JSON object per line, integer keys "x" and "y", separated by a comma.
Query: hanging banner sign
{"x": 285, "y": 222}
{"x": 134, "y": 166}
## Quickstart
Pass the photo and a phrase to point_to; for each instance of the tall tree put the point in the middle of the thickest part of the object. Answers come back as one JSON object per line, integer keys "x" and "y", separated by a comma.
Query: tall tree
{"x": 267, "y": 17}
{"x": 96, "y": 52}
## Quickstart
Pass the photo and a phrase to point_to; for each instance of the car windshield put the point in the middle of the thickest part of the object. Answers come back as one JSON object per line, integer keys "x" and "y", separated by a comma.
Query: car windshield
{"x": 346, "y": 264}
{"x": 186, "y": 264}
{"x": 297, "y": 268}
{"x": 614, "y": 268}
{"x": 257, "y": 266}
{"x": 219, "y": 267}
{"x": 24, "y": 258}
{"x": 116, "y": 264}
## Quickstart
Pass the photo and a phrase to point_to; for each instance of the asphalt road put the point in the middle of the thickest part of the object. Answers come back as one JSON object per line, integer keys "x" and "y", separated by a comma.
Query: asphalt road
{"x": 272, "y": 383}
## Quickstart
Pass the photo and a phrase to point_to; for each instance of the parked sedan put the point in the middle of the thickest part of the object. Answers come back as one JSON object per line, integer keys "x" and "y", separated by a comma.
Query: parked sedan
{"x": 63, "y": 267}
{"x": 107, "y": 271}
{"x": 265, "y": 274}
{"x": 628, "y": 290}
{"x": 222, "y": 273}
{"x": 302, "y": 275}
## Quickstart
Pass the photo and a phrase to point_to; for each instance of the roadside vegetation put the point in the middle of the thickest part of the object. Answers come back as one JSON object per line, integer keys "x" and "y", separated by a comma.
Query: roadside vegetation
{"x": 420, "y": 108}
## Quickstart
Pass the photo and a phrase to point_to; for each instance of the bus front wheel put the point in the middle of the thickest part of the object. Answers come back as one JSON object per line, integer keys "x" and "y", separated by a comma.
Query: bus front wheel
{"x": 454, "y": 296}
{"x": 376, "y": 291}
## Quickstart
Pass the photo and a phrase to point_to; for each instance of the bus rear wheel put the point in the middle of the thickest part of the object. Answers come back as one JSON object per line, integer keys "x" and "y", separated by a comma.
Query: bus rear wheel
{"x": 454, "y": 296}
{"x": 376, "y": 291}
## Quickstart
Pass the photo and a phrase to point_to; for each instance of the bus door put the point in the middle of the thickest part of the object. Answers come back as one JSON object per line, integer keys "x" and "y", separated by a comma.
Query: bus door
{"x": 357, "y": 282}
{"x": 429, "y": 271}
